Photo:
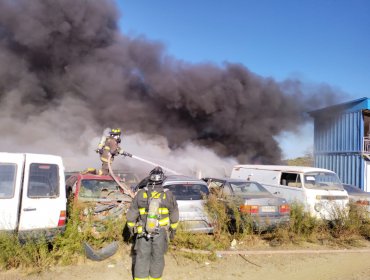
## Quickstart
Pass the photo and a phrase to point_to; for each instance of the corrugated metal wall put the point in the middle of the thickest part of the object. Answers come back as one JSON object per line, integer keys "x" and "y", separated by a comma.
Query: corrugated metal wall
{"x": 338, "y": 145}
{"x": 343, "y": 134}
{"x": 348, "y": 167}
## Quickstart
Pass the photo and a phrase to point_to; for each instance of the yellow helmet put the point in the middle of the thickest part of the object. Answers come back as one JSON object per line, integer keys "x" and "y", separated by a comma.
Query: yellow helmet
{"x": 115, "y": 131}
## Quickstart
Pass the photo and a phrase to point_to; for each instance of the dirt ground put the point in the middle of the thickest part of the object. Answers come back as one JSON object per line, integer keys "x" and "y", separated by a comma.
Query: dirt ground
{"x": 288, "y": 263}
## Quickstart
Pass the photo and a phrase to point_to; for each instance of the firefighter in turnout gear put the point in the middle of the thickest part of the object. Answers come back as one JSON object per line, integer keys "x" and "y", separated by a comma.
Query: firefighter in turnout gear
{"x": 152, "y": 213}
{"x": 110, "y": 146}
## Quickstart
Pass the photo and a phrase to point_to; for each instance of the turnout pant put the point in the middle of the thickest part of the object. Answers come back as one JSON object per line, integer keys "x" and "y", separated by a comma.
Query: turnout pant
{"x": 104, "y": 163}
{"x": 150, "y": 252}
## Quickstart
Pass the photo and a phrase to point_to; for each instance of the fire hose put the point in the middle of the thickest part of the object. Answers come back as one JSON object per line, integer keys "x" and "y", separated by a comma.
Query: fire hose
{"x": 123, "y": 187}
{"x": 110, "y": 249}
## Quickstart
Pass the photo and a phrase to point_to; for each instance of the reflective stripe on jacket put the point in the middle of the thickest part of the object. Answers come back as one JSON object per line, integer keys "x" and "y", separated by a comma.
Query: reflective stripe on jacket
{"x": 139, "y": 207}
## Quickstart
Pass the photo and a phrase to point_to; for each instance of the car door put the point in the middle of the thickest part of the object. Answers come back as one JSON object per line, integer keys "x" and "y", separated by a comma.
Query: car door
{"x": 11, "y": 169}
{"x": 44, "y": 198}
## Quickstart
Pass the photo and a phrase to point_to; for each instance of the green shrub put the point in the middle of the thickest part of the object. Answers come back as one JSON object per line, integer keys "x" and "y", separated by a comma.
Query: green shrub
{"x": 33, "y": 253}
{"x": 302, "y": 224}
{"x": 217, "y": 210}
{"x": 350, "y": 226}
{"x": 200, "y": 241}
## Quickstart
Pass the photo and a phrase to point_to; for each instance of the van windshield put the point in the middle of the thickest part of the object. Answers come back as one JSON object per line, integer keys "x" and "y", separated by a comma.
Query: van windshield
{"x": 322, "y": 180}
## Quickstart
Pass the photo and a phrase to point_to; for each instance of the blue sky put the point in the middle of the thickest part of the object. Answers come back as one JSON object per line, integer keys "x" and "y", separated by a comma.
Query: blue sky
{"x": 326, "y": 41}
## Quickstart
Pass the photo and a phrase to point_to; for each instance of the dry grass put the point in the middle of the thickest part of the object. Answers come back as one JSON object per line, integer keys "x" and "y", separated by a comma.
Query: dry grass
{"x": 348, "y": 230}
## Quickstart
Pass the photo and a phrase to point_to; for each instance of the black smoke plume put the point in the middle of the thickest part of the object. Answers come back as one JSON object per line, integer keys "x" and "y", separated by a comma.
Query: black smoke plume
{"x": 67, "y": 72}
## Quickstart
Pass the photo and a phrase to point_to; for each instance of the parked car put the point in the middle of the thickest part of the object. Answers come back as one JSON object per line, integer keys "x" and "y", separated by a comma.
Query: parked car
{"x": 99, "y": 196}
{"x": 103, "y": 199}
{"x": 319, "y": 190}
{"x": 190, "y": 194}
{"x": 358, "y": 196}
{"x": 90, "y": 187}
{"x": 32, "y": 195}
{"x": 266, "y": 210}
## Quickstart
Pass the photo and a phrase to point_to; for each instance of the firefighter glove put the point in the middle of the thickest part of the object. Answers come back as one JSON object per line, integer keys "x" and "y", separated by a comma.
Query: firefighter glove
{"x": 172, "y": 234}
{"x": 125, "y": 153}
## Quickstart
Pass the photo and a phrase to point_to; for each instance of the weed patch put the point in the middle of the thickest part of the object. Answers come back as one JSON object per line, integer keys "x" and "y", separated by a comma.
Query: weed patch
{"x": 33, "y": 253}
{"x": 348, "y": 230}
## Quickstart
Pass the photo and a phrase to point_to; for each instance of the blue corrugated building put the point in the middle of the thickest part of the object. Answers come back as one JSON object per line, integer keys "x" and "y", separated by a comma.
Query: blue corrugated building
{"x": 342, "y": 141}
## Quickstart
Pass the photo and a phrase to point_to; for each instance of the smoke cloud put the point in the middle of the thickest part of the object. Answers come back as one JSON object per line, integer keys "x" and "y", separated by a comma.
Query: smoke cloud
{"x": 67, "y": 73}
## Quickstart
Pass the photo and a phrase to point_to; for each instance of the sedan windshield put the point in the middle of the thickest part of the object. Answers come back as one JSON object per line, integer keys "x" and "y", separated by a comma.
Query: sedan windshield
{"x": 247, "y": 188}
{"x": 92, "y": 188}
{"x": 322, "y": 180}
{"x": 188, "y": 191}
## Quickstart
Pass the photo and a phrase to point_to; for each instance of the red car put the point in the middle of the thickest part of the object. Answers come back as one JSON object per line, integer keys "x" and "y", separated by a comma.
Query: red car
{"x": 91, "y": 187}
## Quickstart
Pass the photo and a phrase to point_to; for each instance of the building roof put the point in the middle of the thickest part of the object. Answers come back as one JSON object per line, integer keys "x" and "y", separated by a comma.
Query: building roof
{"x": 350, "y": 106}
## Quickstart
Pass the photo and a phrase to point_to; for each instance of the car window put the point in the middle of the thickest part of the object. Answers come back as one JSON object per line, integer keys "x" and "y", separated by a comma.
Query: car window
{"x": 245, "y": 188}
{"x": 92, "y": 188}
{"x": 322, "y": 180}
{"x": 188, "y": 191}
{"x": 7, "y": 179}
{"x": 291, "y": 180}
{"x": 43, "y": 180}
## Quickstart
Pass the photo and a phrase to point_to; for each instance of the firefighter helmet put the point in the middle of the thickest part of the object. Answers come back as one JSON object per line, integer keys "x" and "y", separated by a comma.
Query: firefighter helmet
{"x": 115, "y": 131}
{"x": 156, "y": 175}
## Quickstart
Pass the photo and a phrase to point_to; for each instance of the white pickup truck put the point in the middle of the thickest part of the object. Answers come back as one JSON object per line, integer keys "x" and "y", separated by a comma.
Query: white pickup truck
{"x": 32, "y": 194}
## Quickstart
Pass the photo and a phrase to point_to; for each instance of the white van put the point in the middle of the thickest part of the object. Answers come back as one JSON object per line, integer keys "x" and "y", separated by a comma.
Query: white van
{"x": 32, "y": 194}
{"x": 319, "y": 190}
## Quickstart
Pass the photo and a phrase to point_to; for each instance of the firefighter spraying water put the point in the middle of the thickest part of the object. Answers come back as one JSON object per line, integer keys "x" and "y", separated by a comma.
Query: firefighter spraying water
{"x": 108, "y": 148}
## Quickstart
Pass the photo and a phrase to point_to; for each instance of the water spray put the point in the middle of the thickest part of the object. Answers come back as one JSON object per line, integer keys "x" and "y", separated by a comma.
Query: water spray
{"x": 155, "y": 164}
{"x": 150, "y": 162}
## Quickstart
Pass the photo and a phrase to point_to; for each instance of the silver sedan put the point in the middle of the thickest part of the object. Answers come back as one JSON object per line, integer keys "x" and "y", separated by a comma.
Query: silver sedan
{"x": 266, "y": 210}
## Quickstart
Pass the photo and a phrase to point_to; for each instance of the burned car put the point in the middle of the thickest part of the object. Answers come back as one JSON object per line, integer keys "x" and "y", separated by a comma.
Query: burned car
{"x": 100, "y": 200}
{"x": 88, "y": 186}
{"x": 265, "y": 210}
{"x": 101, "y": 195}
